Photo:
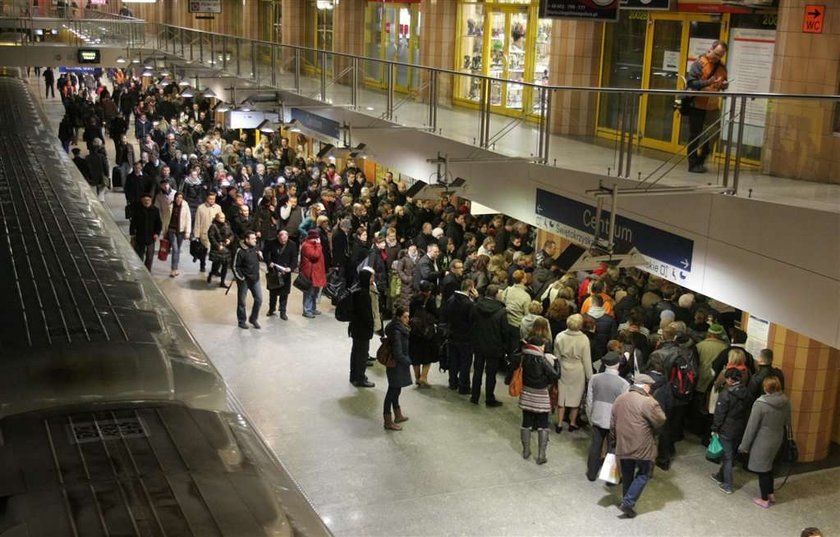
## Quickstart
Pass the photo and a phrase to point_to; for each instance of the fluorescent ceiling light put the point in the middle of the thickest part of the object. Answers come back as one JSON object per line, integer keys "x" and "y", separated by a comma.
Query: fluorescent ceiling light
{"x": 208, "y": 93}
{"x": 120, "y": 59}
{"x": 187, "y": 93}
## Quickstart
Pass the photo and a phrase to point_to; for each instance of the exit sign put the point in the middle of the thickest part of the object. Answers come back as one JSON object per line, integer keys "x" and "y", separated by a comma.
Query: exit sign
{"x": 814, "y": 19}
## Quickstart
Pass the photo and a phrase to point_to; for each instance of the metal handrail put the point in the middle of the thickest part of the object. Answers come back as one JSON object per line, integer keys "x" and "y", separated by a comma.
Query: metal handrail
{"x": 533, "y": 85}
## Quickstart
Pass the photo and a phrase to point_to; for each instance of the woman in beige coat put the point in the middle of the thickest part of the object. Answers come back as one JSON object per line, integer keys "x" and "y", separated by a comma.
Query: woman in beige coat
{"x": 572, "y": 349}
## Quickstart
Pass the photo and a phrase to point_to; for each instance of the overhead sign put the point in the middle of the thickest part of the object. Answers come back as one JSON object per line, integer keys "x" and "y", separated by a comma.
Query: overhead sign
{"x": 89, "y": 55}
{"x": 646, "y": 4}
{"x": 814, "y": 18}
{"x": 205, "y": 6}
{"x": 323, "y": 125}
{"x": 600, "y": 10}
{"x": 576, "y": 222}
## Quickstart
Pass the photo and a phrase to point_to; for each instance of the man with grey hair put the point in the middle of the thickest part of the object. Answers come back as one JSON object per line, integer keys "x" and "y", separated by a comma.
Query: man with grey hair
{"x": 281, "y": 259}
{"x": 601, "y": 393}
{"x": 635, "y": 417}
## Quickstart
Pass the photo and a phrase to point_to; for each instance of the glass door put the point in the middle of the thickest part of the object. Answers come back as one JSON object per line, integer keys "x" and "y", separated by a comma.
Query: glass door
{"x": 663, "y": 73}
{"x": 392, "y": 32}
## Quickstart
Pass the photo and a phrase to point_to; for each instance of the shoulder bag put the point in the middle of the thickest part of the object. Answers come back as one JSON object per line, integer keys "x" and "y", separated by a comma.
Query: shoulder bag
{"x": 385, "y": 354}
{"x": 302, "y": 282}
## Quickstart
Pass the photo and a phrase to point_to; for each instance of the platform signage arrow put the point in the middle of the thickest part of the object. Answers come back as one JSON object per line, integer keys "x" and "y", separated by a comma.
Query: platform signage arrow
{"x": 814, "y": 19}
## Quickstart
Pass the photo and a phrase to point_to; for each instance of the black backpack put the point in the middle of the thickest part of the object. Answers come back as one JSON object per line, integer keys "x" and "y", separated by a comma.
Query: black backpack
{"x": 683, "y": 376}
{"x": 344, "y": 304}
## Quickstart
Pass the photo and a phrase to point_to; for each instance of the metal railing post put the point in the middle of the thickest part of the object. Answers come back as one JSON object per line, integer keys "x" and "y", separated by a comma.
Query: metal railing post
{"x": 238, "y": 56}
{"x": 484, "y": 114}
{"x": 212, "y": 61}
{"x": 623, "y": 119}
{"x": 631, "y": 127}
{"x": 297, "y": 70}
{"x": 181, "y": 33}
{"x": 730, "y": 133}
{"x": 547, "y": 114}
{"x": 200, "y": 49}
{"x": 741, "y": 118}
{"x": 224, "y": 52}
{"x": 354, "y": 83}
{"x": 389, "y": 109}
{"x": 323, "y": 75}
{"x": 273, "y": 65}
{"x": 433, "y": 95}
{"x": 254, "y": 74}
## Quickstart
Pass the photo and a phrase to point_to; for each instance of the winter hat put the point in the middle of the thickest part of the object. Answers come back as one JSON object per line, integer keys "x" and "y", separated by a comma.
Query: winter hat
{"x": 313, "y": 234}
{"x": 437, "y": 233}
{"x": 667, "y": 314}
{"x": 641, "y": 380}
{"x": 715, "y": 330}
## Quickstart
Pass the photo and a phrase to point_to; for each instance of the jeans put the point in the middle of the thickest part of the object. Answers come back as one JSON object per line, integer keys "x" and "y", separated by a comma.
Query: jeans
{"x": 242, "y": 288}
{"x": 310, "y": 297}
{"x": 358, "y": 358}
{"x": 392, "y": 399}
{"x": 727, "y": 459}
{"x": 594, "y": 461}
{"x": 635, "y": 474}
{"x": 492, "y": 364}
{"x": 460, "y": 358}
{"x": 146, "y": 253}
{"x": 175, "y": 241}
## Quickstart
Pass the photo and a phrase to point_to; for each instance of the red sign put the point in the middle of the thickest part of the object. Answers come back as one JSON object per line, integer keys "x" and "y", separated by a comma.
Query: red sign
{"x": 814, "y": 18}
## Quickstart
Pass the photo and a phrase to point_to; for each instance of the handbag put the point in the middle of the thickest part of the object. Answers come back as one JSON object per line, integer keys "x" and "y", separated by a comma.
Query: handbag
{"x": 274, "y": 279}
{"x": 385, "y": 354}
{"x": 609, "y": 470}
{"x": 715, "y": 449}
{"x": 128, "y": 212}
{"x": 515, "y": 388}
{"x": 197, "y": 250}
{"x": 163, "y": 251}
{"x": 336, "y": 284}
{"x": 302, "y": 282}
{"x": 791, "y": 450}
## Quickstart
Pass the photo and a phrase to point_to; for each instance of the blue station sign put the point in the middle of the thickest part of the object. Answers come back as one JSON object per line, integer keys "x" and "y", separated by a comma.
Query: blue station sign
{"x": 326, "y": 126}
{"x": 576, "y": 221}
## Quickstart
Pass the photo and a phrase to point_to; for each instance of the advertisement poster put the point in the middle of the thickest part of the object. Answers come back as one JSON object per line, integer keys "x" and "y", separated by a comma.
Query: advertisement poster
{"x": 205, "y": 6}
{"x": 599, "y": 10}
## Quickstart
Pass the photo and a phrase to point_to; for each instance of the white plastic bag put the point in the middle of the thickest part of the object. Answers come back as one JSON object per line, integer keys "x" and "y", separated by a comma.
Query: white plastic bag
{"x": 609, "y": 470}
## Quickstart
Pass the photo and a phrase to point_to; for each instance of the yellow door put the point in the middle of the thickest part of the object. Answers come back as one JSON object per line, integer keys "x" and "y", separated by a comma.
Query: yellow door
{"x": 507, "y": 50}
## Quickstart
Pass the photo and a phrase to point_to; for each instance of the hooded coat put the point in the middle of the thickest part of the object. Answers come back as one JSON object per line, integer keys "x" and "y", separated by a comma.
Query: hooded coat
{"x": 766, "y": 430}
{"x": 490, "y": 328}
{"x": 732, "y": 411}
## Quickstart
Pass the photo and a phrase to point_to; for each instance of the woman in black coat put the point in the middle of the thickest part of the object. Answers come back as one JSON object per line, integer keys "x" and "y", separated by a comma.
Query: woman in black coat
{"x": 399, "y": 376}
{"x": 361, "y": 330}
{"x": 423, "y": 339}
{"x": 221, "y": 237}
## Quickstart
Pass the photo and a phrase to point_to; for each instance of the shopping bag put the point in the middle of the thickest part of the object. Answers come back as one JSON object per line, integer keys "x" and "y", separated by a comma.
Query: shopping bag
{"x": 715, "y": 449}
{"x": 714, "y": 394}
{"x": 515, "y": 388}
{"x": 609, "y": 470}
{"x": 163, "y": 251}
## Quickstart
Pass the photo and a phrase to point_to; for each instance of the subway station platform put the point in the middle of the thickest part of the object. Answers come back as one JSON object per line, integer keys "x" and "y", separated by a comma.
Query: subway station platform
{"x": 456, "y": 468}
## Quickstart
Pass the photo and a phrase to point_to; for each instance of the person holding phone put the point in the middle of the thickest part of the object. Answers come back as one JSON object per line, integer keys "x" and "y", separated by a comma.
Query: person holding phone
{"x": 706, "y": 75}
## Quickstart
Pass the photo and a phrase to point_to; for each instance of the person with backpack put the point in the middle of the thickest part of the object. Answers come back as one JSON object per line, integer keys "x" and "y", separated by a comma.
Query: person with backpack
{"x": 361, "y": 328}
{"x": 732, "y": 411}
{"x": 399, "y": 376}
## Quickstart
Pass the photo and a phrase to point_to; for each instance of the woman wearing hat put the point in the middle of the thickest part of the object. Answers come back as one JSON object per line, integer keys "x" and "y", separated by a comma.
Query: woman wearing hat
{"x": 312, "y": 266}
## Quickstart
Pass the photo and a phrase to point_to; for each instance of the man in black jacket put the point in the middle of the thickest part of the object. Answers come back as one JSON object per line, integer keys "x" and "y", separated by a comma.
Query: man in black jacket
{"x": 144, "y": 229}
{"x": 427, "y": 268}
{"x": 281, "y": 257}
{"x": 458, "y": 314}
{"x": 246, "y": 270}
{"x": 361, "y": 330}
{"x": 489, "y": 338}
{"x": 764, "y": 369}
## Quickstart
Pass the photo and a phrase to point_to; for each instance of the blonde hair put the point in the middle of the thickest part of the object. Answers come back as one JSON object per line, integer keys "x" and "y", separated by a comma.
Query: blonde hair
{"x": 736, "y": 357}
{"x": 574, "y": 322}
{"x": 535, "y": 307}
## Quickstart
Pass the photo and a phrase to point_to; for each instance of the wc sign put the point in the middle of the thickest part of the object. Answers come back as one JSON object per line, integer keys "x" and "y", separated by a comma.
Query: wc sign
{"x": 814, "y": 18}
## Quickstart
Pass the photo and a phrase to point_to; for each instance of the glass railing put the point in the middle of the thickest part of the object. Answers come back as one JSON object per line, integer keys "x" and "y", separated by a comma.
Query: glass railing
{"x": 754, "y": 140}
{"x": 98, "y": 29}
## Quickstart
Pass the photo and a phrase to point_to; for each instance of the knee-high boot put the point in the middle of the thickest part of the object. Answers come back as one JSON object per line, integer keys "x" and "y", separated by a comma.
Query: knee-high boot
{"x": 424, "y": 375}
{"x": 542, "y": 436}
{"x": 525, "y": 436}
{"x": 398, "y": 415}
{"x": 417, "y": 376}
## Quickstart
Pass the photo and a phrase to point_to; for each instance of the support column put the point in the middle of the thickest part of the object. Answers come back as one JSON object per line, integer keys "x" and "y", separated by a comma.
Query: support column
{"x": 812, "y": 382}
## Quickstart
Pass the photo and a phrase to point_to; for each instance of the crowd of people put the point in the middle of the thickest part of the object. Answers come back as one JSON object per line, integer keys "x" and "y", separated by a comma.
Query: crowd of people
{"x": 633, "y": 358}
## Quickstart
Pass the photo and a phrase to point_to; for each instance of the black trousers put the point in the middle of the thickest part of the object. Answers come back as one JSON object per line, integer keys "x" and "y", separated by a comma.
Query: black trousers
{"x": 358, "y": 358}
{"x": 146, "y": 253}
{"x": 392, "y": 399}
{"x": 600, "y": 436}
{"x": 492, "y": 365}
{"x": 765, "y": 484}
{"x": 275, "y": 296}
{"x": 699, "y": 144}
{"x": 460, "y": 361}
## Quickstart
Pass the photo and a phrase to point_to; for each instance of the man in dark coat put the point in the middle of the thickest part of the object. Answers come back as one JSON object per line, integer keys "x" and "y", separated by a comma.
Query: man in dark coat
{"x": 144, "y": 229}
{"x": 764, "y": 369}
{"x": 49, "y": 82}
{"x": 98, "y": 169}
{"x": 246, "y": 270}
{"x": 361, "y": 330}
{"x": 488, "y": 335}
{"x": 453, "y": 279}
{"x": 457, "y": 312}
{"x": 281, "y": 256}
{"x": 427, "y": 268}
{"x": 80, "y": 163}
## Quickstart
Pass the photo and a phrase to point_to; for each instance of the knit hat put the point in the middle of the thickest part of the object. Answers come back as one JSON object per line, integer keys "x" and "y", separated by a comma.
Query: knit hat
{"x": 437, "y": 233}
{"x": 313, "y": 234}
{"x": 667, "y": 314}
{"x": 715, "y": 330}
